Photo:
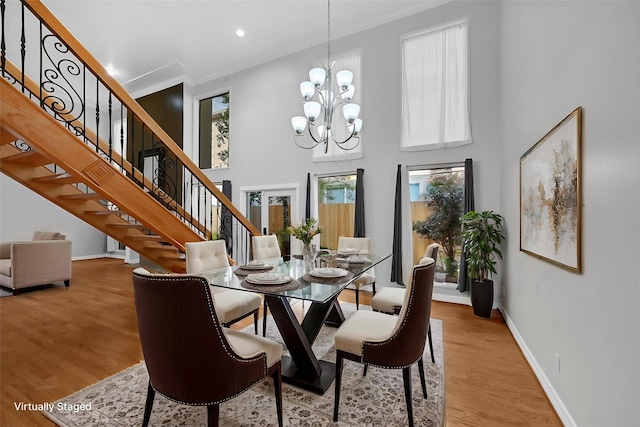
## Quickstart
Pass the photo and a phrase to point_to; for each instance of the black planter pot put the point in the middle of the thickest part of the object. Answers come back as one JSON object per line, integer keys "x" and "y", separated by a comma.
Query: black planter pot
{"x": 482, "y": 297}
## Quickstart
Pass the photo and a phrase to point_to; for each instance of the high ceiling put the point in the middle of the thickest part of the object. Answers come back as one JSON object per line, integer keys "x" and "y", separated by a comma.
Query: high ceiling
{"x": 146, "y": 42}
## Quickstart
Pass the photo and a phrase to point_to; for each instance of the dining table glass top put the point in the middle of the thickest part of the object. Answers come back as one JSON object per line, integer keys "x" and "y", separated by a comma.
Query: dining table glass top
{"x": 304, "y": 285}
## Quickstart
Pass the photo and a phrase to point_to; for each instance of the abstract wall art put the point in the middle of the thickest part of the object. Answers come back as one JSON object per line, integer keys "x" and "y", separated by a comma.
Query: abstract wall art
{"x": 550, "y": 195}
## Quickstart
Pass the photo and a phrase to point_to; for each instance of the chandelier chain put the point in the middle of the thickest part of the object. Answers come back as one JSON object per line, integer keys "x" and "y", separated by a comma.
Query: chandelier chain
{"x": 327, "y": 104}
{"x": 328, "y": 33}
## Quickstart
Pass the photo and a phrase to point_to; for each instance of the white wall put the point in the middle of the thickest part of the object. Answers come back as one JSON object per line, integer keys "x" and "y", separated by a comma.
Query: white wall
{"x": 265, "y": 97}
{"x": 22, "y": 212}
{"x": 555, "y": 57}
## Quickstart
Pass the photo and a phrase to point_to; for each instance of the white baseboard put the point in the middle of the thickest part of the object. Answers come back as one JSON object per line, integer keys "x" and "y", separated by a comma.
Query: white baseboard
{"x": 452, "y": 298}
{"x": 555, "y": 400}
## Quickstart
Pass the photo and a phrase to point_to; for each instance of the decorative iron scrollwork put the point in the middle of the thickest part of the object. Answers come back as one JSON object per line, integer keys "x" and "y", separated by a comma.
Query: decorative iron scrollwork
{"x": 62, "y": 98}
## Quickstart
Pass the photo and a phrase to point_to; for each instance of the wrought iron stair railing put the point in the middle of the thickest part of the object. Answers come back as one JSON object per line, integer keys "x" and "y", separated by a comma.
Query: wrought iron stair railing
{"x": 45, "y": 62}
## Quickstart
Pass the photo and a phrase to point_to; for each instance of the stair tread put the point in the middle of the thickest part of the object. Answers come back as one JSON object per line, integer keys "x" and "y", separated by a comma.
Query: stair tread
{"x": 138, "y": 226}
{"x": 6, "y": 137}
{"x": 152, "y": 237}
{"x": 166, "y": 248}
{"x": 105, "y": 212}
{"x": 28, "y": 158}
{"x": 81, "y": 196}
{"x": 62, "y": 179}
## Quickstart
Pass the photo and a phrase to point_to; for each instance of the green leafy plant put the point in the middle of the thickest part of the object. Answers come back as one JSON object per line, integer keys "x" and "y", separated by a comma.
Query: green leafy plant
{"x": 306, "y": 231}
{"x": 444, "y": 198}
{"x": 482, "y": 233}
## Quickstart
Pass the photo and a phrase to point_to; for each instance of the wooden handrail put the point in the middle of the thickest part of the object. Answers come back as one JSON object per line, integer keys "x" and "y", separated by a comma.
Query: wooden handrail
{"x": 57, "y": 28}
{"x": 89, "y": 134}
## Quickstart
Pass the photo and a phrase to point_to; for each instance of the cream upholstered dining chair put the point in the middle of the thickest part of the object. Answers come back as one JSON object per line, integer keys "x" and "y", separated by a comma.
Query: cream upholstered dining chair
{"x": 191, "y": 359}
{"x": 231, "y": 305}
{"x": 390, "y": 342}
{"x": 266, "y": 248}
{"x": 363, "y": 245}
{"x": 390, "y": 300}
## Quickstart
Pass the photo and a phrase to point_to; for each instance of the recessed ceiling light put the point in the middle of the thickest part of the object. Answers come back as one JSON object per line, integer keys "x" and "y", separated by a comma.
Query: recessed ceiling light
{"x": 240, "y": 33}
{"x": 111, "y": 70}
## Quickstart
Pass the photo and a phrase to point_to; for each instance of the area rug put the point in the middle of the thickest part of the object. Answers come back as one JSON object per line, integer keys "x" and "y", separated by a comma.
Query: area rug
{"x": 376, "y": 399}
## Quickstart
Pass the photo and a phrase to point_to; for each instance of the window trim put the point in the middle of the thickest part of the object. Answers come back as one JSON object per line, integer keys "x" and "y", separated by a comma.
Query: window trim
{"x": 195, "y": 149}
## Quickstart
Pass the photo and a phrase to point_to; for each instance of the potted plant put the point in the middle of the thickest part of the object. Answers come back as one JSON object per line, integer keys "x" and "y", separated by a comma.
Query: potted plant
{"x": 482, "y": 234}
{"x": 444, "y": 199}
{"x": 305, "y": 233}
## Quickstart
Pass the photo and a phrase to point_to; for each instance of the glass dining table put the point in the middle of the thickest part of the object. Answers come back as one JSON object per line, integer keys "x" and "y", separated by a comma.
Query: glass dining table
{"x": 301, "y": 367}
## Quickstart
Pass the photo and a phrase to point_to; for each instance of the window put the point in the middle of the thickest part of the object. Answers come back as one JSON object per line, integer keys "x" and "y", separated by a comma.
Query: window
{"x": 435, "y": 215}
{"x": 435, "y": 88}
{"x": 347, "y": 61}
{"x": 336, "y": 208}
{"x": 214, "y": 132}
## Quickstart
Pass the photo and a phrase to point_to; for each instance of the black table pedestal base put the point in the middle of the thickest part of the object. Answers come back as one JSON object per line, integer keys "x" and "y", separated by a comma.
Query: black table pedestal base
{"x": 306, "y": 380}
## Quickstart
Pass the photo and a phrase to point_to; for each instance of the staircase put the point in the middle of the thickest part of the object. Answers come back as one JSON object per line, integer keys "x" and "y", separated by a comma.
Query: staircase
{"x": 56, "y": 149}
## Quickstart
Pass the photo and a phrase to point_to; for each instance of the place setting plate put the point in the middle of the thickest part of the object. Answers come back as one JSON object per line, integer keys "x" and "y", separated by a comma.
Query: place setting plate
{"x": 268, "y": 279}
{"x": 328, "y": 272}
{"x": 270, "y": 282}
{"x": 253, "y": 267}
{"x": 358, "y": 259}
{"x": 348, "y": 251}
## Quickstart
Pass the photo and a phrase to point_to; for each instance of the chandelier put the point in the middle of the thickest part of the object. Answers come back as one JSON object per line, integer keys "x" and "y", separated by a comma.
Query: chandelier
{"x": 320, "y": 104}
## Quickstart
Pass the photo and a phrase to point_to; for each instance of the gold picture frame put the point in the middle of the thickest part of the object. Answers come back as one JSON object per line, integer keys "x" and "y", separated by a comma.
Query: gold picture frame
{"x": 551, "y": 195}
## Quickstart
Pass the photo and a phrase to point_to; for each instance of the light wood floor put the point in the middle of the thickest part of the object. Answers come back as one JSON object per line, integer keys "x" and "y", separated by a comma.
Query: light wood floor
{"x": 56, "y": 341}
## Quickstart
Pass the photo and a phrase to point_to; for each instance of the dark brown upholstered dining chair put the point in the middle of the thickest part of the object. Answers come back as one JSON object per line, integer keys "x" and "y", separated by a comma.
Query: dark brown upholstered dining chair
{"x": 389, "y": 300}
{"x": 190, "y": 357}
{"x": 387, "y": 341}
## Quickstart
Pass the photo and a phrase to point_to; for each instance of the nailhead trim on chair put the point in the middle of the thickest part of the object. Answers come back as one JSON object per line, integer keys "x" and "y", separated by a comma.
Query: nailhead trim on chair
{"x": 404, "y": 320}
{"x": 214, "y": 317}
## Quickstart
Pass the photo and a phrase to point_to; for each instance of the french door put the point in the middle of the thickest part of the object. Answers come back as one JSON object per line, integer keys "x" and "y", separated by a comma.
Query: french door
{"x": 272, "y": 211}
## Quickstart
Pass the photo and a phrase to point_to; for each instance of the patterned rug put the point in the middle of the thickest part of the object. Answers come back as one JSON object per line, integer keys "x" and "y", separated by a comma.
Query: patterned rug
{"x": 374, "y": 400}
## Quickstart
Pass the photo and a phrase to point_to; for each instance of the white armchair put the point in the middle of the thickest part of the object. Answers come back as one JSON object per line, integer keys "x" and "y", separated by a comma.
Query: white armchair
{"x": 44, "y": 260}
{"x": 231, "y": 305}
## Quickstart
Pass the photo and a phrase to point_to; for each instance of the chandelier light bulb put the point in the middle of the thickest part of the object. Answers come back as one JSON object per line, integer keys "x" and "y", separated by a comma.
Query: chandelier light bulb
{"x": 312, "y": 110}
{"x": 299, "y": 123}
{"x": 307, "y": 90}
{"x": 358, "y": 125}
{"x": 317, "y": 76}
{"x": 344, "y": 79}
{"x": 348, "y": 93}
{"x": 350, "y": 112}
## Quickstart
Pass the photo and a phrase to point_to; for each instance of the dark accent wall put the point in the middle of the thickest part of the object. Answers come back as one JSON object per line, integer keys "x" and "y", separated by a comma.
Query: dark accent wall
{"x": 166, "y": 108}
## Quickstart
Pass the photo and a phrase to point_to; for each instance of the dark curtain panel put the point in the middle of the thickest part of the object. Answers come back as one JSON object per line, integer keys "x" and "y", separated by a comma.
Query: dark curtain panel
{"x": 226, "y": 219}
{"x": 396, "y": 260}
{"x": 307, "y": 209}
{"x": 358, "y": 225}
{"x": 469, "y": 205}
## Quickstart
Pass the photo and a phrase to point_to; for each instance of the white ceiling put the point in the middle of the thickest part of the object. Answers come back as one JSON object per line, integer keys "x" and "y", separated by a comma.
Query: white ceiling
{"x": 152, "y": 41}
